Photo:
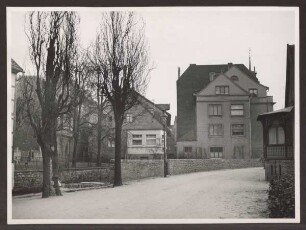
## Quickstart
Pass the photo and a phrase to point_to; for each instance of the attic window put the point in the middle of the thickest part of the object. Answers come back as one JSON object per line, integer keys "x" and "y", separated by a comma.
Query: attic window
{"x": 212, "y": 76}
{"x": 234, "y": 78}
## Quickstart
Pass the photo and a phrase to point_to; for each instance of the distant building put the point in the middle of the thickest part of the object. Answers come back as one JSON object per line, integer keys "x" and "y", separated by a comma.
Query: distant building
{"x": 278, "y": 129}
{"x": 26, "y": 149}
{"x": 142, "y": 132}
{"x": 15, "y": 69}
{"x": 217, "y": 108}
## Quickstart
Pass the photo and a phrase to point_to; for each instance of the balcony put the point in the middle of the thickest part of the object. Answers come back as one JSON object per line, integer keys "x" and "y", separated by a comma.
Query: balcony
{"x": 279, "y": 152}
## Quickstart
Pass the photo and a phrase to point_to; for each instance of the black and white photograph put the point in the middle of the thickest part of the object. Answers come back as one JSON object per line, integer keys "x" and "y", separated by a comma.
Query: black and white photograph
{"x": 153, "y": 115}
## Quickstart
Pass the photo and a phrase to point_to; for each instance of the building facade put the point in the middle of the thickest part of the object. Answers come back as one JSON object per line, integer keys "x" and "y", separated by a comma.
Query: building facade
{"x": 142, "y": 133}
{"x": 217, "y": 108}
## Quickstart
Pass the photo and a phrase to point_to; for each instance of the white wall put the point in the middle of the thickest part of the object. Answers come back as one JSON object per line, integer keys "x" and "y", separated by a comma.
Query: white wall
{"x": 144, "y": 148}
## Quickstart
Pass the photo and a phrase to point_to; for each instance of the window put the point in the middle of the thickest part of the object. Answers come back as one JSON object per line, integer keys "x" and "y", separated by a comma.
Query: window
{"x": 129, "y": 117}
{"x": 151, "y": 139}
{"x": 151, "y": 110}
{"x": 111, "y": 142}
{"x": 239, "y": 152}
{"x": 238, "y": 129}
{"x": 216, "y": 152}
{"x": 215, "y": 110}
{"x": 137, "y": 139}
{"x": 212, "y": 76}
{"x": 187, "y": 149}
{"x": 222, "y": 89}
{"x": 234, "y": 78}
{"x": 215, "y": 130}
{"x": 253, "y": 92}
{"x": 237, "y": 110}
{"x": 276, "y": 135}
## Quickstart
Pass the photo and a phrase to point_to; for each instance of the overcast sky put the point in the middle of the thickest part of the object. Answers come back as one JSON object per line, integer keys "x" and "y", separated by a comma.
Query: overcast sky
{"x": 178, "y": 37}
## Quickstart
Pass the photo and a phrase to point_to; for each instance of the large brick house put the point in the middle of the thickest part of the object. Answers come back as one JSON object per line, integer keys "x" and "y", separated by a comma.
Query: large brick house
{"x": 278, "y": 129}
{"x": 217, "y": 108}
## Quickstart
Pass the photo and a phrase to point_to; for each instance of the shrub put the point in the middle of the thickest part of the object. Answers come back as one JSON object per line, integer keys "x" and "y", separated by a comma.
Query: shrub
{"x": 281, "y": 197}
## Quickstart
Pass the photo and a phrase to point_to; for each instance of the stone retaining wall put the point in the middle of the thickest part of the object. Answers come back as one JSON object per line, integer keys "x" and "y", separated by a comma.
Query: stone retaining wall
{"x": 31, "y": 180}
{"x": 139, "y": 169}
{"x": 182, "y": 166}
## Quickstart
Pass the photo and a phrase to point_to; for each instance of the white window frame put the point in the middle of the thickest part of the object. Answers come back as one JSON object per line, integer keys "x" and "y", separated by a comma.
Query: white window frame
{"x": 212, "y": 135}
{"x": 237, "y": 135}
{"x": 224, "y": 87}
{"x": 277, "y": 136}
{"x": 232, "y": 109}
{"x": 136, "y": 137}
{"x": 129, "y": 117}
{"x": 214, "y": 152}
{"x": 252, "y": 91}
{"x": 188, "y": 147}
{"x": 149, "y": 137}
{"x": 213, "y": 108}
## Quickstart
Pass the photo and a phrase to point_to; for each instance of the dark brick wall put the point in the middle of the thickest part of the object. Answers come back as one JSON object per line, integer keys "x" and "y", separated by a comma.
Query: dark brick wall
{"x": 183, "y": 166}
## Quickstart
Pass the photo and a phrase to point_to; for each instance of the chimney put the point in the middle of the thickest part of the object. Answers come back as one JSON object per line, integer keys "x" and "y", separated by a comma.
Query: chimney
{"x": 178, "y": 72}
{"x": 229, "y": 65}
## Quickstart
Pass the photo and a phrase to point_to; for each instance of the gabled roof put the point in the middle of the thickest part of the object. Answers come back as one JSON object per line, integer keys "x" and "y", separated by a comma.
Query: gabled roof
{"x": 15, "y": 67}
{"x": 159, "y": 109}
{"x": 248, "y": 72}
{"x": 233, "y": 82}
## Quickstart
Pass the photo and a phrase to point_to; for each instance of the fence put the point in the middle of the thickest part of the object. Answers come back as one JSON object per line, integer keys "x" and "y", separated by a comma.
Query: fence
{"x": 36, "y": 163}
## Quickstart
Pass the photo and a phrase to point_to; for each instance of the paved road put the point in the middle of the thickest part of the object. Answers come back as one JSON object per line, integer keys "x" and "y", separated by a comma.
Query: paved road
{"x": 238, "y": 193}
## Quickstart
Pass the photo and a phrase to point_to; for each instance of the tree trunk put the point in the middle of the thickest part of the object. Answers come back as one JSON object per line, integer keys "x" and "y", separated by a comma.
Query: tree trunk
{"x": 55, "y": 177}
{"x": 46, "y": 174}
{"x": 99, "y": 144}
{"x": 99, "y": 129}
{"x": 118, "y": 129}
{"x": 75, "y": 142}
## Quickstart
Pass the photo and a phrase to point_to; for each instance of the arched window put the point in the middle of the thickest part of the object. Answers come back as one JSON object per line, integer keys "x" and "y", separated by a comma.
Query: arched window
{"x": 234, "y": 78}
{"x": 276, "y": 135}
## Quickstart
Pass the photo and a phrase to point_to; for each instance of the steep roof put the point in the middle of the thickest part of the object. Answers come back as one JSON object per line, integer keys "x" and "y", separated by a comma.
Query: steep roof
{"x": 194, "y": 79}
{"x": 248, "y": 72}
{"x": 285, "y": 110}
{"x": 15, "y": 67}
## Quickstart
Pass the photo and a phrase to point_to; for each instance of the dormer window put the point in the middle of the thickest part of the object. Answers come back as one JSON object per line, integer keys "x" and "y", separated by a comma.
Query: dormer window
{"x": 221, "y": 90}
{"x": 212, "y": 76}
{"x": 129, "y": 118}
{"x": 234, "y": 78}
{"x": 253, "y": 92}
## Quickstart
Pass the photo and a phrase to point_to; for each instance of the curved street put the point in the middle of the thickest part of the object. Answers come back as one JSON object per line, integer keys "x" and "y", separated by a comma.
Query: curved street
{"x": 235, "y": 193}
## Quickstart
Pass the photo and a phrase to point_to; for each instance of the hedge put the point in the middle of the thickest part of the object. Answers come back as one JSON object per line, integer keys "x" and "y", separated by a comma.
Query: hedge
{"x": 281, "y": 199}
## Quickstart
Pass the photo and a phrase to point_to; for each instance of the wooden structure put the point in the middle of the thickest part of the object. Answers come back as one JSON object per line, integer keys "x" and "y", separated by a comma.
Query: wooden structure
{"x": 278, "y": 129}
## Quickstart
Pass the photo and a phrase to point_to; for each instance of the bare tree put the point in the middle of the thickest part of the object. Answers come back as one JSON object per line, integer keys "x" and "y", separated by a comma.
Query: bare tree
{"x": 120, "y": 55}
{"x": 52, "y": 44}
{"x": 81, "y": 91}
